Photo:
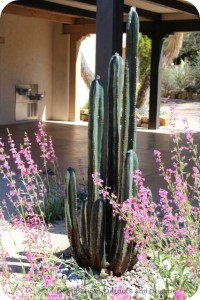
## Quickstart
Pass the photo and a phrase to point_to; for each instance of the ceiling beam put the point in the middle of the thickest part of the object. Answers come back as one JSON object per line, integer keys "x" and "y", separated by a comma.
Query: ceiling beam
{"x": 144, "y": 13}
{"x": 180, "y": 6}
{"x": 61, "y": 13}
{"x": 91, "y": 2}
{"x": 58, "y": 8}
{"x": 169, "y": 27}
{"x": 2, "y": 40}
{"x": 141, "y": 12}
{"x": 36, "y": 13}
{"x": 82, "y": 29}
{"x": 84, "y": 21}
{"x": 146, "y": 27}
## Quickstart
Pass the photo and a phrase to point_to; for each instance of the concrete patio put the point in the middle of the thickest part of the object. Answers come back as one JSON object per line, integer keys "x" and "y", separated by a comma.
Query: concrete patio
{"x": 70, "y": 143}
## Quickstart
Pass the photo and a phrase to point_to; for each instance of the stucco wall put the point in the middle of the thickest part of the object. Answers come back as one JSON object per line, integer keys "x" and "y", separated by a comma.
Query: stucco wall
{"x": 25, "y": 58}
{"x": 60, "y": 76}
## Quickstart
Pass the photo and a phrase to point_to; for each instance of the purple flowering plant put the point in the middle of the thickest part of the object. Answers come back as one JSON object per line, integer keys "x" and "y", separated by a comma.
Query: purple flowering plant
{"x": 31, "y": 195}
{"x": 53, "y": 179}
{"x": 39, "y": 192}
{"x": 167, "y": 233}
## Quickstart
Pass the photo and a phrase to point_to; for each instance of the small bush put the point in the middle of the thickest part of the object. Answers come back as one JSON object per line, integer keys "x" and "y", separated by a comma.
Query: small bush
{"x": 176, "y": 78}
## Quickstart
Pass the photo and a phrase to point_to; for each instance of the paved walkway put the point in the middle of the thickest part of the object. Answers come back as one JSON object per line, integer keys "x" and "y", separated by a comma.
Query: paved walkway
{"x": 71, "y": 141}
{"x": 184, "y": 109}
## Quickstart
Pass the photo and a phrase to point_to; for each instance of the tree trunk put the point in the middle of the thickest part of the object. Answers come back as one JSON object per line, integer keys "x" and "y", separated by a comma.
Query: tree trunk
{"x": 86, "y": 73}
{"x": 143, "y": 91}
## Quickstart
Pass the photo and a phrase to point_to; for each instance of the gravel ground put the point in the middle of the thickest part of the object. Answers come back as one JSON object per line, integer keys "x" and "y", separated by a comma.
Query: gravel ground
{"x": 134, "y": 282}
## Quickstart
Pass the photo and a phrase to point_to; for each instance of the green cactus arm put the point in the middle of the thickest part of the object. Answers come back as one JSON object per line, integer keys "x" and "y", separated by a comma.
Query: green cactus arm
{"x": 83, "y": 226}
{"x": 97, "y": 235}
{"x": 128, "y": 132}
{"x": 123, "y": 255}
{"x": 95, "y": 134}
{"x": 133, "y": 258}
{"x": 132, "y": 33}
{"x": 124, "y": 250}
{"x": 93, "y": 140}
{"x": 128, "y": 187}
{"x": 102, "y": 235}
{"x": 121, "y": 250}
{"x": 125, "y": 127}
{"x": 115, "y": 94}
{"x": 100, "y": 128}
{"x": 72, "y": 219}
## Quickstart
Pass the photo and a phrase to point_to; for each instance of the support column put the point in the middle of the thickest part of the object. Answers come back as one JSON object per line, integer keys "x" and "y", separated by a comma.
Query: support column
{"x": 155, "y": 81}
{"x": 109, "y": 30}
{"x": 75, "y": 40}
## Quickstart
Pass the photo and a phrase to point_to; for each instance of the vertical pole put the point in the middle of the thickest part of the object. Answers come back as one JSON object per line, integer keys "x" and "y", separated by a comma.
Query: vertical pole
{"x": 109, "y": 31}
{"x": 155, "y": 82}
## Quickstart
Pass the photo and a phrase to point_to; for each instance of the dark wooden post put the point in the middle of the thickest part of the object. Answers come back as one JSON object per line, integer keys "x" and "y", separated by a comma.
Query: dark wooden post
{"x": 109, "y": 31}
{"x": 155, "y": 81}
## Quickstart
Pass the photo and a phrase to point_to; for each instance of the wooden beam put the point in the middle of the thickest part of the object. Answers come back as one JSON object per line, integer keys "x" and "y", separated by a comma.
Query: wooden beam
{"x": 57, "y": 8}
{"x": 36, "y": 13}
{"x": 84, "y": 21}
{"x": 175, "y": 4}
{"x": 146, "y": 27}
{"x": 169, "y": 27}
{"x": 82, "y": 29}
{"x": 144, "y": 13}
{"x": 2, "y": 40}
{"x": 141, "y": 12}
{"x": 91, "y": 2}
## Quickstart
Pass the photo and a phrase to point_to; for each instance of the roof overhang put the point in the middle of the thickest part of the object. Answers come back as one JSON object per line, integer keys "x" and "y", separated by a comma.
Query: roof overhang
{"x": 152, "y": 13}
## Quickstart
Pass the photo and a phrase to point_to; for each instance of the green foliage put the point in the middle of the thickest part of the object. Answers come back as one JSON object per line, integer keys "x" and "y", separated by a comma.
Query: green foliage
{"x": 86, "y": 105}
{"x": 177, "y": 77}
{"x": 53, "y": 211}
{"x": 195, "y": 70}
{"x": 185, "y": 74}
{"x": 100, "y": 242}
{"x": 144, "y": 52}
{"x": 191, "y": 46}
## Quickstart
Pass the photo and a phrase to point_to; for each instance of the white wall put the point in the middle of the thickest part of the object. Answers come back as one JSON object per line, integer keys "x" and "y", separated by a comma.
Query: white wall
{"x": 36, "y": 52}
{"x": 60, "y": 82}
{"x": 25, "y": 58}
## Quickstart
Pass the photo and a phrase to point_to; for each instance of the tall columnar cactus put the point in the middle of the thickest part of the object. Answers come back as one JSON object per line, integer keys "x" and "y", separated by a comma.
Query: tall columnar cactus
{"x": 99, "y": 242}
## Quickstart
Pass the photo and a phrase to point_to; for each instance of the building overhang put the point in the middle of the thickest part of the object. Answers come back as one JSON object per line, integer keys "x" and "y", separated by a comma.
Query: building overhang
{"x": 84, "y": 11}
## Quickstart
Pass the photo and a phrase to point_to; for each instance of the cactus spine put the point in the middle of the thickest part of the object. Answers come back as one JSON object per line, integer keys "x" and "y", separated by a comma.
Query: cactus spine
{"x": 100, "y": 241}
